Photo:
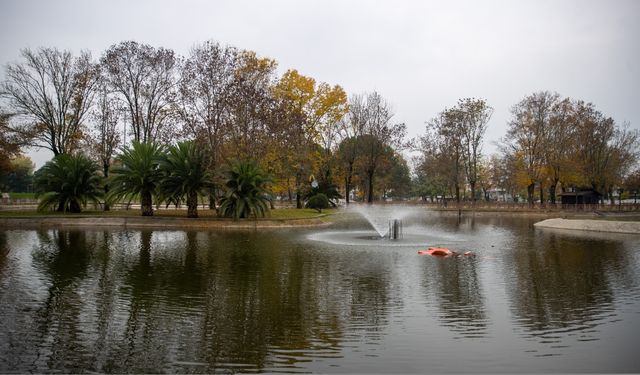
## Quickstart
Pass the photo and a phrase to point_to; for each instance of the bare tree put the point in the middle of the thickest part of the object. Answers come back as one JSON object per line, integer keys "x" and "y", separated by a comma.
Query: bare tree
{"x": 528, "y": 135}
{"x": 447, "y": 143}
{"x": 9, "y": 144}
{"x": 351, "y": 128}
{"x": 605, "y": 152}
{"x": 378, "y": 134}
{"x": 474, "y": 116}
{"x": 248, "y": 133}
{"x": 50, "y": 92}
{"x": 104, "y": 136}
{"x": 205, "y": 97}
{"x": 623, "y": 150}
{"x": 144, "y": 78}
{"x": 595, "y": 132}
{"x": 560, "y": 143}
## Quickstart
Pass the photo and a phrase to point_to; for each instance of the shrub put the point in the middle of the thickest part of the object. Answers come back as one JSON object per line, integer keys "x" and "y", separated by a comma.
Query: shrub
{"x": 246, "y": 193}
{"x": 68, "y": 183}
{"x": 318, "y": 202}
{"x": 328, "y": 189}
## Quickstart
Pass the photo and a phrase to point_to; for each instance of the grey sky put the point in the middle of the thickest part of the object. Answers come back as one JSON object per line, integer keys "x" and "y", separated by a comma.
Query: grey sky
{"x": 421, "y": 56}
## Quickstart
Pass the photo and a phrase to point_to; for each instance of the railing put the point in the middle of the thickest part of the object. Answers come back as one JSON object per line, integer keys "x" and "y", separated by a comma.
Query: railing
{"x": 27, "y": 203}
{"x": 524, "y": 206}
{"x": 18, "y": 201}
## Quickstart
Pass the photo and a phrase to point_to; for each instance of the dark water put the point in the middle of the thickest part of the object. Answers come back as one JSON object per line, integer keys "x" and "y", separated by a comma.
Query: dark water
{"x": 278, "y": 301}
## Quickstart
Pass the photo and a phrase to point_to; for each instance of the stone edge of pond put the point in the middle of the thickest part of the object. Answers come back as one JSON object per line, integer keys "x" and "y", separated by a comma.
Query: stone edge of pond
{"x": 628, "y": 227}
{"x": 157, "y": 222}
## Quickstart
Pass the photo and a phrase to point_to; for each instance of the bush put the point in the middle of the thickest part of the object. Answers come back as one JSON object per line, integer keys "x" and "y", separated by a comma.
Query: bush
{"x": 67, "y": 183}
{"x": 328, "y": 189}
{"x": 247, "y": 193}
{"x": 318, "y": 202}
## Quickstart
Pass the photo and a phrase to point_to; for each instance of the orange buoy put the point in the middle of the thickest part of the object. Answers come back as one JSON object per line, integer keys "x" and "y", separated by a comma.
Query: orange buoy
{"x": 436, "y": 251}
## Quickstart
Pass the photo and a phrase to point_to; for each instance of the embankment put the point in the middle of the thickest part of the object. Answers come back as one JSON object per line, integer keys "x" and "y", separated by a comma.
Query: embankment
{"x": 156, "y": 222}
{"x": 631, "y": 227}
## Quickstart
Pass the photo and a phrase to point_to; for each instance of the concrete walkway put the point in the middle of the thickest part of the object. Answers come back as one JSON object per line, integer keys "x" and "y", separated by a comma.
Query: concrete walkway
{"x": 632, "y": 227}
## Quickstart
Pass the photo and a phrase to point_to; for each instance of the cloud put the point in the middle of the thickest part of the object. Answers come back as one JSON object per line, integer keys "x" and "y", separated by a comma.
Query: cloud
{"x": 421, "y": 56}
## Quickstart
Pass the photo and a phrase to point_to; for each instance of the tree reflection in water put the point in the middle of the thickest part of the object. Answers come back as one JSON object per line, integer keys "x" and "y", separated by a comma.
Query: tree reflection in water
{"x": 62, "y": 257}
{"x": 142, "y": 301}
{"x": 561, "y": 284}
{"x": 175, "y": 301}
{"x": 455, "y": 284}
{"x": 4, "y": 251}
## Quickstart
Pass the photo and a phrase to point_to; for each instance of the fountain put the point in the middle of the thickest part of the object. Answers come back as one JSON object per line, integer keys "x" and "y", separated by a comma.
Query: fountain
{"x": 384, "y": 219}
{"x": 395, "y": 229}
{"x": 394, "y": 226}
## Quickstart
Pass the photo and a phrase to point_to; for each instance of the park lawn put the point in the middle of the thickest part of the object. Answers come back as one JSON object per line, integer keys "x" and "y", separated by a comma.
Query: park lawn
{"x": 22, "y": 195}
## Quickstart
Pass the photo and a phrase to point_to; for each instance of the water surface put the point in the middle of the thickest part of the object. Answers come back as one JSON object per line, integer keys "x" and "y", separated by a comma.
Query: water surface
{"x": 245, "y": 301}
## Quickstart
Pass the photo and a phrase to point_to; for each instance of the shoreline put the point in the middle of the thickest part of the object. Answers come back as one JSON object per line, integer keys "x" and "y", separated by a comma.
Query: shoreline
{"x": 159, "y": 222}
{"x": 608, "y": 226}
{"x": 585, "y": 221}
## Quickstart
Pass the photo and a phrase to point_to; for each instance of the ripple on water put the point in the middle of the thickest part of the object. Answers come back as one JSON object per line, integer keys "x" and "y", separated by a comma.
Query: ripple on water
{"x": 369, "y": 238}
{"x": 199, "y": 303}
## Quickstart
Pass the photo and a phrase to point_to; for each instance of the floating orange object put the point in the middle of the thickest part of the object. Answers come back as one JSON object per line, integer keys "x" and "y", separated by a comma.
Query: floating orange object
{"x": 436, "y": 251}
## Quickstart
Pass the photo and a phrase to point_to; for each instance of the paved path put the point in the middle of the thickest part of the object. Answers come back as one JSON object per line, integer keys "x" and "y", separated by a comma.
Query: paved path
{"x": 592, "y": 225}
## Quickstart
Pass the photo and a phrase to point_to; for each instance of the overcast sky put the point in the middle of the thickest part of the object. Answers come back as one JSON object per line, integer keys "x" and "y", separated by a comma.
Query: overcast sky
{"x": 422, "y": 56}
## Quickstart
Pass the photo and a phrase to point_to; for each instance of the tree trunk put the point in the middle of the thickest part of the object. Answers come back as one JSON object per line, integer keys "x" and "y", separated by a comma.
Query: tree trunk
{"x": 213, "y": 198}
{"x": 541, "y": 195}
{"x": 347, "y": 188}
{"x": 298, "y": 189}
{"x": 612, "y": 199}
{"x": 370, "y": 188}
{"x": 620, "y": 191}
{"x": 552, "y": 192}
{"x": 192, "y": 204}
{"x": 298, "y": 199}
{"x": 146, "y": 204}
{"x": 347, "y": 182}
{"x": 530, "y": 188}
{"x": 105, "y": 171}
{"x": 473, "y": 192}
{"x": 74, "y": 206}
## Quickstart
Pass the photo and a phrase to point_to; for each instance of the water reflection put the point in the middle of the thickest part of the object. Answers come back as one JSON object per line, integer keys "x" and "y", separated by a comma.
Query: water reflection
{"x": 562, "y": 285}
{"x": 174, "y": 301}
{"x": 458, "y": 292}
{"x": 62, "y": 257}
{"x": 4, "y": 252}
{"x": 181, "y": 302}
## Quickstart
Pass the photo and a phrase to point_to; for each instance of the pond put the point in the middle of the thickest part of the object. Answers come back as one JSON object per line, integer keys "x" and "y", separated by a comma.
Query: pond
{"x": 306, "y": 300}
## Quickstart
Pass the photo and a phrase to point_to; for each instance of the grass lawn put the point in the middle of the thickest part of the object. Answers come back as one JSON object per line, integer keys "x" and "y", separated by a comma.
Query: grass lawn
{"x": 22, "y": 195}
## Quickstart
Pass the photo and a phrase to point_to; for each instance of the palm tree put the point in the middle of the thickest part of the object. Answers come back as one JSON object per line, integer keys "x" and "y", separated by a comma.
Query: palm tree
{"x": 68, "y": 182}
{"x": 246, "y": 192}
{"x": 185, "y": 173}
{"x": 138, "y": 174}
